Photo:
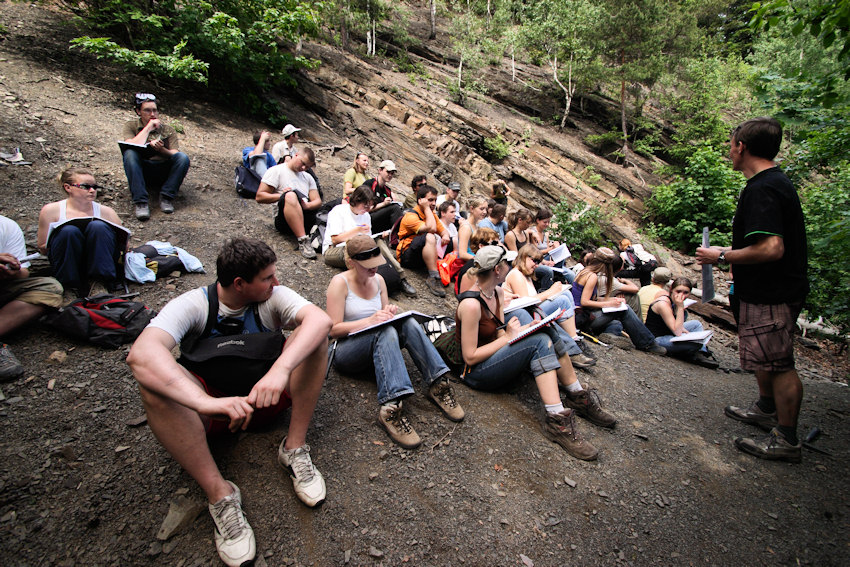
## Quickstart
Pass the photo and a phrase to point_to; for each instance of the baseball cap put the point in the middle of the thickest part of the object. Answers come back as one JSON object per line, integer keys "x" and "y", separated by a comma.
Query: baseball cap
{"x": 454, "y": 186}
{"x": 662, "y": 275}
{"x": 364, "y": 250}
{"x": 289, "y": 130}
{"x": 388, "y": 165}
{"x": 488, "y": 257}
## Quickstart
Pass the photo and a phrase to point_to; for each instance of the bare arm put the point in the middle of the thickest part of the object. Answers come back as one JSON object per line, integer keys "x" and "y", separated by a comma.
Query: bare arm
{"x": 267, "y": 194}
{"x": 337, "y": 290}
{"x": 676, "y": 323}
{"x": 260, "y": 148}
{"x": 49, "y": 213}
{"x": 767, "y": 249}
{"x": 463, "y": 236}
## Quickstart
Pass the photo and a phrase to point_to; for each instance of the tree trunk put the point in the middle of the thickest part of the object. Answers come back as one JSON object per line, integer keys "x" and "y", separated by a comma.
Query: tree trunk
{"x": 623, "y": 122}
{"x": 568, "y": 95}
{"x": 433, "y": 13}
{"x": 343, "y": 31}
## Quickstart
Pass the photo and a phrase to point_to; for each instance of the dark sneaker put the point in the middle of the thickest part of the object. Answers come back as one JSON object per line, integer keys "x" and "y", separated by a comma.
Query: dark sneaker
{"x": 582, "y": 361}
{"x": 561, "y": 428}
{"x": 392, "y": 419}
{"x": 752, "y": 415}
{"x": 166, "y": 206}
{"x": 435, "y": 286}
{"x": 306, "y": 248}
{"x": 408, "y": 289}
{"x": 585, "y": 349}
{"x": 10, "y": 366}
{"x": 655, "y": 348}
{"x": 772, "y": 447}
{"x": 308, "y": 482}
{"x": 234, "y": 538}
{"x": 617, "y": 341}
{"x": 443, "y": 396}
{"x": 143, "y": 211}
{"x": 705, "y": 360}
{"x": 588, "y": 404}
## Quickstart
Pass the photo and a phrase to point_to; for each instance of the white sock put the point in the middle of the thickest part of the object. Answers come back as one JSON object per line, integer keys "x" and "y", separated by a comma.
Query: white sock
{"x": 575, "y": 387}
{"x": 554, "y": 408}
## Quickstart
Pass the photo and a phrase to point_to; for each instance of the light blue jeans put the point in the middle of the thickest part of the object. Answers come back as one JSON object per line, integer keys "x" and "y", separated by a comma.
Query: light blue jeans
{"x": 617, "y": 321}
{"x": 380, "y": 350}
{"x": 561, "y": 341}
{"x": 535, "y": 353}
{"x": 682, "y": 349}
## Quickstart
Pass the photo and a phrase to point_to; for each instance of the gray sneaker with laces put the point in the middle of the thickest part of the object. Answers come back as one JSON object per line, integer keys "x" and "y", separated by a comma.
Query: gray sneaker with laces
{"x": 752, "y": 415}
{"x": 442, "y": 394}
{"x": 306, "y": 248}
{"x": 308, "y": 482}
{"x": 772, "y": 447}
{"x": 392, "y": 418}
{"x": 10, "y": 366}
{"x": 234, "y": 538}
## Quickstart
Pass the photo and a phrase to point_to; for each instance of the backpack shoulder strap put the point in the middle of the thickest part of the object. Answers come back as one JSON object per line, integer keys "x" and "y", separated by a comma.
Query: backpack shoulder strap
{"x": 477, "y": 295}
{"x": 212, "y": 316}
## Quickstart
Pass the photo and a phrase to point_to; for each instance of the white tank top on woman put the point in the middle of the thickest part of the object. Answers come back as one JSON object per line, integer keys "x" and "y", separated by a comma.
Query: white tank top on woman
{"x": 356, "y": 307}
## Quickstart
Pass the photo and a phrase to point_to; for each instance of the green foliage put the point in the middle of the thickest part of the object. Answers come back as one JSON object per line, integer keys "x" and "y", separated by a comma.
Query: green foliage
{"x": 604, "y": 143}
{"x": 704, "y": 195}
{"x": 578, "y": 224}
{"x": 590, "y": 176}
{"x": 826, "y": 205}
{"x": 496, "y": 149}
{"x": 240, "y": 48}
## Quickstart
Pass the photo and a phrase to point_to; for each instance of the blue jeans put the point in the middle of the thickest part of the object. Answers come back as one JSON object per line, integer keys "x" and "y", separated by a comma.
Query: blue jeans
{"x": 140, "y": 171}
{"x": 627, "y": 320}
{"x": 682, "y": 349}
{"x": 381, "y": 350}
{"x": 561, "y": 341}
{"x": 563, "y": 300}
{"x": 534, "y": 353}
{"x": 79, "y": 255}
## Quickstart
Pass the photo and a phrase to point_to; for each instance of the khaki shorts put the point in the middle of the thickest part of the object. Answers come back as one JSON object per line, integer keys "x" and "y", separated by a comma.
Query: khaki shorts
{"x": 766, "y": 336}
{"x": 36, "y": 291}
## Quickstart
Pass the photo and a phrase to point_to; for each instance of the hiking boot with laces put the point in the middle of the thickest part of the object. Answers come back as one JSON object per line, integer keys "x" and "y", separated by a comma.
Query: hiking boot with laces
{"x": 582, "y": 361}
{"x": 617, "y": 341}
{"x": 308, "y": 482}
{"x": 10, "y": 366}
{"x": 588, "y": 404}
{"x": 392, "y": 419}
{"x": 143, "y": 211}
{"x": 561, "y": 428}
{"x": 752, "y": 415}
{"x": 407, "y": 288}
{"x": 772, "y": 447}
{"x": 234, "y": 538}
{"x": 306, "y": 248}
{"x": 585, "y": 348}
{"x": 435, "y": 286}
{"x": 442, "y": 394}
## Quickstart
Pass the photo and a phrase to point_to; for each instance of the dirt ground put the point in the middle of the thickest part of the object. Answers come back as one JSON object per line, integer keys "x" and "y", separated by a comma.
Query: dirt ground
{"x": 82, "y": 484}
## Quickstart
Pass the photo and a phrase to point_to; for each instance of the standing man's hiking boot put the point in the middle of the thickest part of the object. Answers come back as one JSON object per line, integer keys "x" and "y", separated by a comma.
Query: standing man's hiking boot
{"x": 752, "y": 415}
{"x": 772, "y": 447}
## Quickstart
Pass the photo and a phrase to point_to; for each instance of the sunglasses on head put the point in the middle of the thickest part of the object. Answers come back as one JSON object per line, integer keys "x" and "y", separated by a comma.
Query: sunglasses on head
{"x": 366, "y": 254}
{"x": 86, "y": 186}
{"x": 493, "y": 243}
{"x": 144, "y": 97}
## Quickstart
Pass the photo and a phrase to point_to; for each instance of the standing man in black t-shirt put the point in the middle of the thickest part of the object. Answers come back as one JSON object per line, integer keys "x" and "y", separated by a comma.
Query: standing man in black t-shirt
{"x": 769, "y": 265}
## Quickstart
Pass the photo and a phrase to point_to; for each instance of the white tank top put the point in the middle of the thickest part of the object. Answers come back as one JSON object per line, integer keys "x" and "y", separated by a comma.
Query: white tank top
{"x": 357, "y": 308}
{"x": 63, "y": 213}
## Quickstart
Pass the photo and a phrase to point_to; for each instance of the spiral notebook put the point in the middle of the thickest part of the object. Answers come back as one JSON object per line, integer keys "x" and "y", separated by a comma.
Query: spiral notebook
{"x": 537, "y": 326}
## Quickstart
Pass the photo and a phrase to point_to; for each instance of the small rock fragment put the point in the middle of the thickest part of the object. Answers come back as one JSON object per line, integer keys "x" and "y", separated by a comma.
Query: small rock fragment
{"x": 569, "y": 482}
{"x": 375, "y": 552}
{"x": 526, "y": 561}
{"x": 58, "y": 356}
{"x": 121, "y": 448}
{"x": 372, "y": 476}
{"x": 137, "y": 421}
{"x": 51, "y": 383}
{"x": 347, "y": 555}
{"x": 181, "y": 513}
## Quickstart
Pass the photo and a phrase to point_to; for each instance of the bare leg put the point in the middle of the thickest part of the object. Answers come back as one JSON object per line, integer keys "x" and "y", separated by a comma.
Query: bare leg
{"x": 547, "y": 385}
{"x": 16, "y": 313}
{"x": 305, "y": 385}
{"x": 787, "y": 390}
{"x": 181, "y": 431}
{"x": 566, "y": 373}
{"x": 569, "y": 325}
{"x": 429, "y": 252}
{"x": 293, "y": 214}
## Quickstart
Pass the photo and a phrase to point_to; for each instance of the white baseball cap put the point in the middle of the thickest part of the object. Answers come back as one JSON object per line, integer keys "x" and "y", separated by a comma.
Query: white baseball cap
{"x": 388, "y": 165}
{"x": 289, "y": 130}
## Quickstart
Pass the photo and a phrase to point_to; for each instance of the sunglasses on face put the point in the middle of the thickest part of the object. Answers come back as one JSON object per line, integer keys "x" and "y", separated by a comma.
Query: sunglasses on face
{"x": 366, "y": 254}
{"x": 86, "y": 186}
{"x": 535, "y": 260}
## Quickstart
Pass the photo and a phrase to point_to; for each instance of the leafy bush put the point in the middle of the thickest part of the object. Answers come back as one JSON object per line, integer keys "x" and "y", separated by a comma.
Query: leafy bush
{"x": 496, "y": 149}
{"x": 704, "y": 195}
{"x": 238, "y": 47}
{"x": 578, "y": 224}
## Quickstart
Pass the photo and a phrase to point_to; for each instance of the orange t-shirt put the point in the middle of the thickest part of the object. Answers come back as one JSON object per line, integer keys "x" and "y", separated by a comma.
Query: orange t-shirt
{"x": 409, "y": 227}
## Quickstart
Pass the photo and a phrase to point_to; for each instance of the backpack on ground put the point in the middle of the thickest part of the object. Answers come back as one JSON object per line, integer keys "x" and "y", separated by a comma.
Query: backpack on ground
{"x": 105, "y": 320}
{"x": 247, "y": 182}
{"x": 317, "y": 231}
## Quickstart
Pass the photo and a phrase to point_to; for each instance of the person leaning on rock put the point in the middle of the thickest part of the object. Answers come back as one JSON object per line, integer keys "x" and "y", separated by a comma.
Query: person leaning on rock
{"x": 157, "y": 158}
{"x": 770, "y": 270}
{"x": 297, "y": 198}
{"x": 189, "y": 399}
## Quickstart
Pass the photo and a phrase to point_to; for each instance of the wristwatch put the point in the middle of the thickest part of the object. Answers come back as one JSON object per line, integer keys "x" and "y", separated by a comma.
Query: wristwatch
{"x": 722, "y": 258}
